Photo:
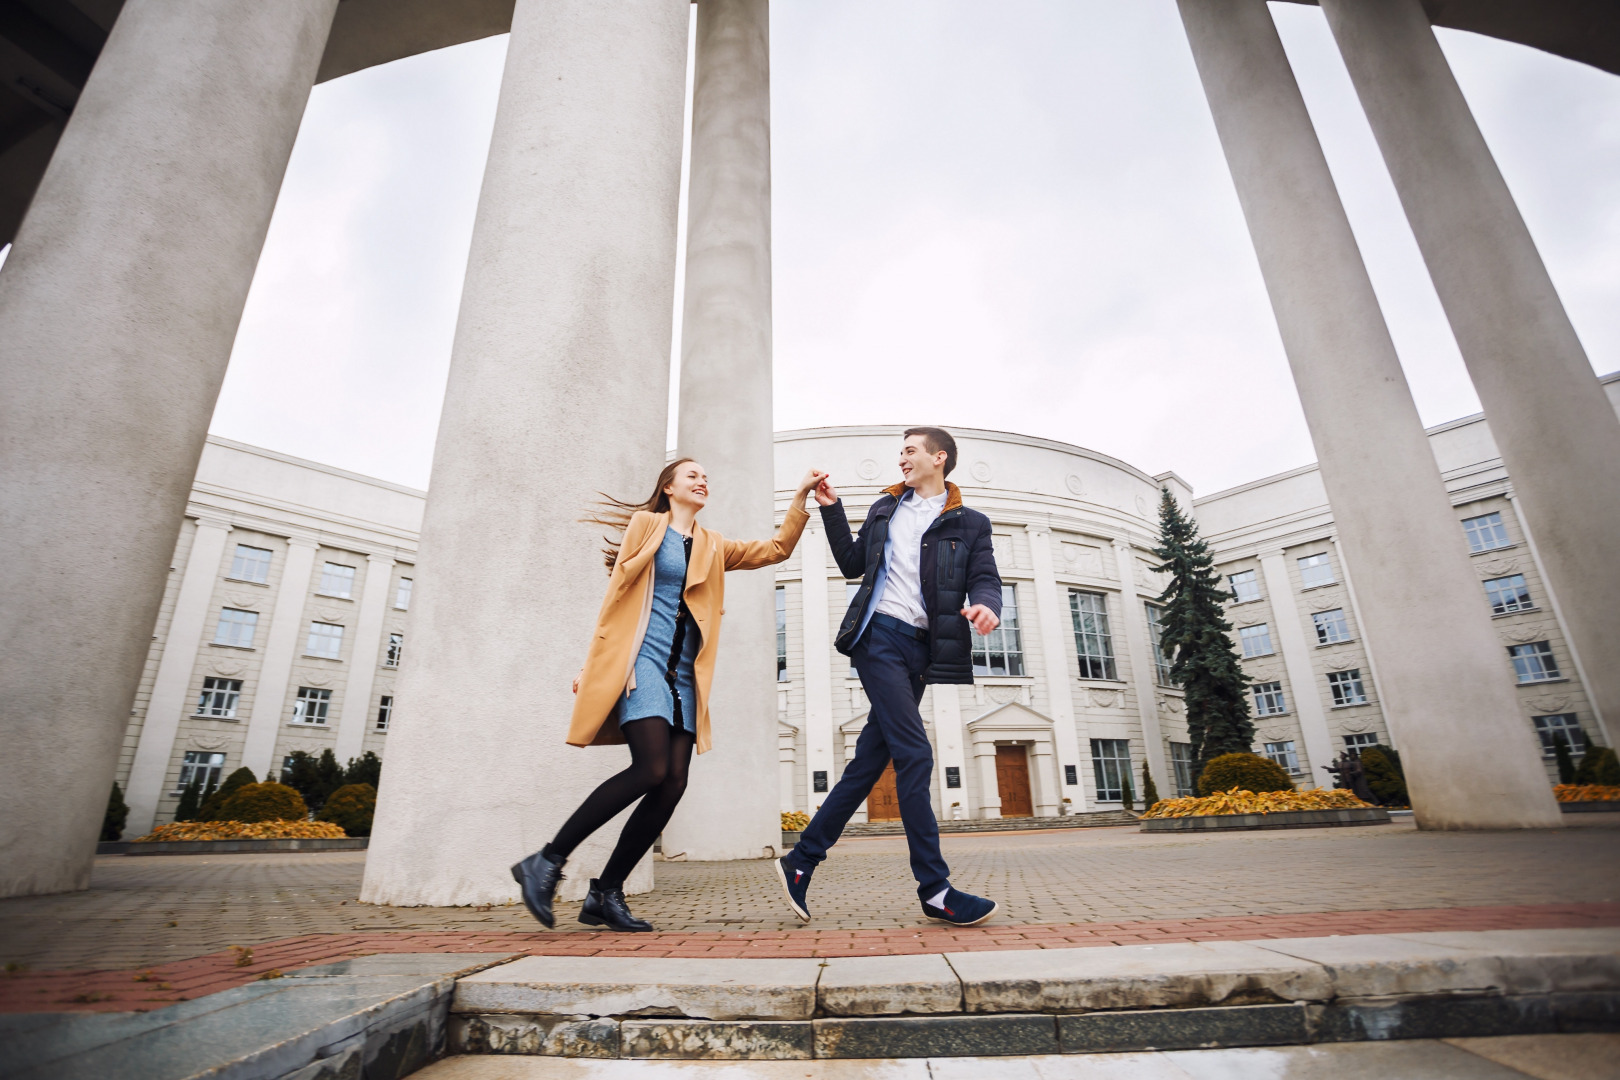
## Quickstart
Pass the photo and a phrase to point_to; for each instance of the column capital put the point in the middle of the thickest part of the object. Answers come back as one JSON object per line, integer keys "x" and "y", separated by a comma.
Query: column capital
{"x": 213, "y": 521}
{"x": 304, "y": 540}
{"x": 1269, "y": 553}
{"x": 376, "y": 557}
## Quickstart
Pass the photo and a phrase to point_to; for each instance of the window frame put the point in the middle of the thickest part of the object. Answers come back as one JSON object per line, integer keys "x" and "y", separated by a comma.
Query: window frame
{"x": 1545, "y": 732}
{"x": 1321, "y": 623}
{"x": 240, "y": 566}
{"x": 1359, "y": 741}
{"x": 309, "y": 704}
{"x": 320, "y": 630}
{"x": 1263, "y": 695}
{"x": 1543, "y": 659}
{"x": 996, "y": 643}
{"x": 1339, "y": 684}
{"x": 781, "y": 634}
{"x": 1245, "y": 639}
{"x": 385, "y": 712}
{"x": 1162, "y": 664}
{"x": 218, "y": 701}
{"x": 1235, "y": 586}
{"x": 395, "y": 650}
{"x": 1181, "y": 763}
{"x": 402, "y": 593}
{"x": 1306, "y": 572}
{"x": 1102, "y": 764}
{"x": 251, "y": 623}
{"x": 1477, "y": 535}
{"x": 1285, "y": 753}
{"x": 1502, "y": 606}
{"x": 327, "y": 567}
{"x": 1105, "y": 660}
{"x": 211, "y": 762}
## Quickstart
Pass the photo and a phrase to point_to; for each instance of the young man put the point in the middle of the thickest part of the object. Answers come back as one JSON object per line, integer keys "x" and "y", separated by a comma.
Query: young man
{"x": 928, "y": 574}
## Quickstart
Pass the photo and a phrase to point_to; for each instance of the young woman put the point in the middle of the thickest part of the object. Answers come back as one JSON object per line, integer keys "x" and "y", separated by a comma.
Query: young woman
{"x": 646, "y": 677}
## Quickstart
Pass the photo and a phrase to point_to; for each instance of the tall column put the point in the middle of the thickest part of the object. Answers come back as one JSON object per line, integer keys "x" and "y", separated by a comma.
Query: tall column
{"x": 1144, "y": 672}
{"x": 1557, "y": 432}
{"x": 558, "y": 390}
{"x": 118, "y": 306}
{"x": 281, "y": 646}
{"x": 818, "y": 722}
{"x": 364, "y": 659}
{"x": 1470, "y": 760}
{"x": 1059, "y": 688}
{"x": 725, "y": 417}
{"x": 946, "y": 705}
{"x": 1304, "y": 694}
{"x": 192, "y": 606}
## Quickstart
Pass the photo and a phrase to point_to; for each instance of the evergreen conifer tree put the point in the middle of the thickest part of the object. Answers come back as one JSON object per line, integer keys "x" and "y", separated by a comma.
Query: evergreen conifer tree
{"x": 190, "y": 797}
{"x": 1127, "y": 797}
{"x": 365, "y": 769}
{"x": 1566, "y": 763}
{"x": 1197, "y": 635}
{"x": 1150, "y": 791}
{"x": 112, "y": 822}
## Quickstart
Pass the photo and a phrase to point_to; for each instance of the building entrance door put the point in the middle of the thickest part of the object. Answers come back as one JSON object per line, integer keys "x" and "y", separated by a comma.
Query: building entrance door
{"x": 883, "y": 803}
{"x": 1012, "y": 779}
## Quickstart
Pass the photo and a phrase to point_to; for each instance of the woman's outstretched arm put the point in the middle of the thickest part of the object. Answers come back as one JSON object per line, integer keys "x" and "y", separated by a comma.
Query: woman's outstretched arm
{"x": 752, "y": 554}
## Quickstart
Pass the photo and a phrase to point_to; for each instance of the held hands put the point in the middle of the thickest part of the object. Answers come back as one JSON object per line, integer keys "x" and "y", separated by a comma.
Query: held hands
{"x": 826, "y": 494}
{"x": 983, "y": 619}
{"x": 813, "y": 480}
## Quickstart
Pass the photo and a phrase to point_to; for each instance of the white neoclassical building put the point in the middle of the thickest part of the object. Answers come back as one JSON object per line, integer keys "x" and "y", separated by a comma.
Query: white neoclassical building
{"x": 286, "y": 620}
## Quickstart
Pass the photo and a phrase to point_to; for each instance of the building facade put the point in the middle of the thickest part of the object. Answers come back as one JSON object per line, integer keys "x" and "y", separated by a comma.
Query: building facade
{"x": 285, "y": 622}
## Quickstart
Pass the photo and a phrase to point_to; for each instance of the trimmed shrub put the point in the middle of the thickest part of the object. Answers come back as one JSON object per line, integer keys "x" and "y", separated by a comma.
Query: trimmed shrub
{"x": 1250, "y": 772}
{"x": 112, "y": 822}
{"x": 1150, "y": 791}
{"x": 209, "y": 810}
{"x": 351, "y": 807}
{"x": 264, "y": 802}
{"x": 1127, "y": 797}
{"x": 1384, "y": 777}
{"x": 1599, "y": 765}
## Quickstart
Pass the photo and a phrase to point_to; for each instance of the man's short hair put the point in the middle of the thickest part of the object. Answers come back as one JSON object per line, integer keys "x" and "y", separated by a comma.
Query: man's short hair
{"x": 937, "y": 439}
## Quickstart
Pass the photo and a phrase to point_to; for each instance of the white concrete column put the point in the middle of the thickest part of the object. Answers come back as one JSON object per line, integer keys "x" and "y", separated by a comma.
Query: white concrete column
{"x": 1470, "y": 760}
{"x": 1143, "y": 673}
{"x": 946, "y": 705}
{"x": 1049, "y": 611}
{"x": 818, "y": 721}
{"x": 281, "y": 646}
{"x": 1304, "y": 696}
{"x": 118, "y": 306}
{"x": 785, "y": 750}
{"x": 984, "y": 754}
{"x": 725, "y": 418}
{"x": 192, "y": 606}
{"x": 558, "y": 389}
{"x": 1558, "y": 434}
{"x": 364, "y": 659}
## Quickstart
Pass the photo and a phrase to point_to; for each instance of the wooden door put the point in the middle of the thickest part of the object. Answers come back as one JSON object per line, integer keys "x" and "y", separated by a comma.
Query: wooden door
{"x": 1012, "y": 778}
{"x": 883, "y": 803}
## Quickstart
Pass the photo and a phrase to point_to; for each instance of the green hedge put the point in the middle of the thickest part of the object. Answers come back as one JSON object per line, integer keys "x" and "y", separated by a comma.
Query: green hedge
{"x": 351, "y": 807}
{"x": 1250, "y": 772}
{"x": 264, "y": 802}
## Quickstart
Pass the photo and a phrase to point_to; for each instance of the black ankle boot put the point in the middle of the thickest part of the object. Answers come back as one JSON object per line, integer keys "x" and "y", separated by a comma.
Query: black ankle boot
{"x": 606, "y": 907}
{"x": 538, "y": 877}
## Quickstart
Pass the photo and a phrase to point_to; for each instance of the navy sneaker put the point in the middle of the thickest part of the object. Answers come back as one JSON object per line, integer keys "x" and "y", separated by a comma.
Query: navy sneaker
{"x": 961, "y": 909}
{"x": 795, "y": 884}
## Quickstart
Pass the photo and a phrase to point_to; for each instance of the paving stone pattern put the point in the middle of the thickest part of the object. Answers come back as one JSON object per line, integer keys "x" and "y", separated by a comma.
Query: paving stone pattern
{"x": 179, "y": 916}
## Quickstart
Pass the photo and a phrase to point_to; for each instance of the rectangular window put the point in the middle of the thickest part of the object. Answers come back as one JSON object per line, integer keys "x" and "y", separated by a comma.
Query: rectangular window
{"x": 1315, "y": 570}
{"x": 1091, "y": 637}
{"x": 402, "y": 594}
{"x": 1534, "y": 662}
{"x": 1161, "y": 663}
{"x": 1486, "y": 533}
{"x": 219, "y": 697}
{"x": 1346, "y": 687}
{"x": 1256, "y": 640}
{"x": 1283, "y": 754}
{"x": 236, "y": 628}
{"x": 1357, "y": 743}
{"x": 1111, "y": 762}
{"x": 1331, "y": 627}
{"x": 251, "y": 564}
{"x": 1268, "y": 698}
{"x": 1001, "y": 652}
{"x": 1181, "y": 761}
{"x": 396, "y": 649}
{"x": 385, "y": 711}
{"x": 202, "y": 766}
{"x": 1508, "y": 594}
{"x": 337, "y": 580}
{"x": 325, "y": 640}
{"x": 781, "y": 633}
{"x": 1245, "y": 586}
{"x": 1548, "y": 728}
{"x": 311, "y": 706}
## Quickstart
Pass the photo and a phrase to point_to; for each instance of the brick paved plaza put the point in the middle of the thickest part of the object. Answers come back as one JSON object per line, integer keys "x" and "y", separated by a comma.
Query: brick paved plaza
{"x": 187, "y": 918}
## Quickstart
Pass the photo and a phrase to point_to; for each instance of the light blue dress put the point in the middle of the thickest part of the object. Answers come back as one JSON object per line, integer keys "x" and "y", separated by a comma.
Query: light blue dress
{"x": 664, "y": 665}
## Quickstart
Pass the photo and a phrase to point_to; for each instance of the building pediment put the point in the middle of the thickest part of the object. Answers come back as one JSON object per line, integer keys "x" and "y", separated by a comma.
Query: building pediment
{"x": 1010, "y": 717}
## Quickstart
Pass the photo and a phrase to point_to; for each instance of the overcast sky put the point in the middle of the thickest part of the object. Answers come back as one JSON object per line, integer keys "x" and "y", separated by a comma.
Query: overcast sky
{"x": 1016, "y": 217}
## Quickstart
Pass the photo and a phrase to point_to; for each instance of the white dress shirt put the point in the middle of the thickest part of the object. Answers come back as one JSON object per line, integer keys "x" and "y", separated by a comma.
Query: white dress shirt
{"x": 902, "y": 558}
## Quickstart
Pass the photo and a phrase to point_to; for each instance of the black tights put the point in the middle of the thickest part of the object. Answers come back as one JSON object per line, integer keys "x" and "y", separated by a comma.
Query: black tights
{"x": 659, "y": 756}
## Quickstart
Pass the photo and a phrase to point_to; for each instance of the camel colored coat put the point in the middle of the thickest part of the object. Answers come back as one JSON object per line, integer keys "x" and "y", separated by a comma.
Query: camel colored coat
{"x": 611, "y": 662}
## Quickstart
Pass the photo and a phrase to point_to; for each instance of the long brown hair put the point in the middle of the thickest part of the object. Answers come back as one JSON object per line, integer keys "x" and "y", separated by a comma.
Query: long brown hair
{"x": 615, "y": 514}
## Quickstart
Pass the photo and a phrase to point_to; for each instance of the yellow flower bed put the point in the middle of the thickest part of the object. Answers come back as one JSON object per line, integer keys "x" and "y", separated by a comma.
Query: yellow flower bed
{"x": 1586, "y": 793}
{"x": 794, "y": 821}
{"x": 1237, "y": 801}
{"x": 238, "y": 830}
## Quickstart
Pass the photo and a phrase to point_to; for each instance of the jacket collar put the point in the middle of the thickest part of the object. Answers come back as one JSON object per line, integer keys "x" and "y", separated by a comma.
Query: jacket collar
{"x": 953, "y": 495}
{"x": 704, "y": 543}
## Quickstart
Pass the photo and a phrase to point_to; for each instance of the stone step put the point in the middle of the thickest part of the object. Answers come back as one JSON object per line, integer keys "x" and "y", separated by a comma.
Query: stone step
{"x": 1222, "y": 993}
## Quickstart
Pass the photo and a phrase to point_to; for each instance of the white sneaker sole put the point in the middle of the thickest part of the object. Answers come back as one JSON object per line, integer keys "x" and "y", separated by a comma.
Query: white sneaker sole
{"x": 986, "y": 917}
{"x": 781, "y": 875}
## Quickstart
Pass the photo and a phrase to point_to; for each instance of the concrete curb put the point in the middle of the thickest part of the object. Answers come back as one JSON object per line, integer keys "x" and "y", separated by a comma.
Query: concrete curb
{"x": 377, "y": 1017}
{"x": 1287, "y": 819}
{"x": 236, "y": 847}
{"x": 1112, "y": 998}
{"x": 1610, "y": 806}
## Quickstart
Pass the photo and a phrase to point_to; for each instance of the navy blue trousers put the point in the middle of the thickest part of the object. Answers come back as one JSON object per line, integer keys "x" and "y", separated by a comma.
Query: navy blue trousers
{"x": 890, "y": 663}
